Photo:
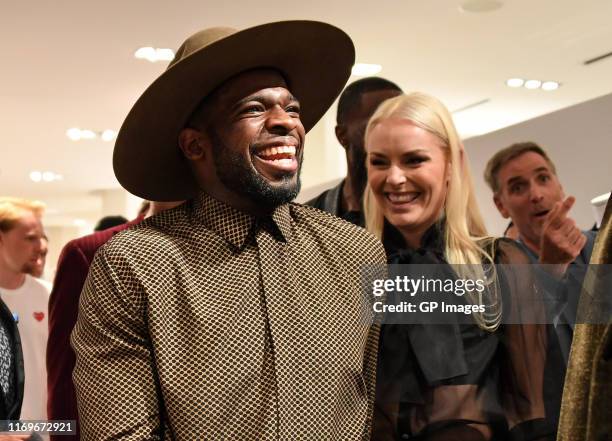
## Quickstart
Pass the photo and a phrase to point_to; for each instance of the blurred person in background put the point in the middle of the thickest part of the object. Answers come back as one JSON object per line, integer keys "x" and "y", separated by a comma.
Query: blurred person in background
{"x": 21, "y": 234}
{"x": 11, "y": 375}
{"x": 527, "y": 190}
{"x": 109, "y": 222}
{"x": 356, "y": 104}
{"x": 11, "y": 367}
{"x": 72, "y": 268}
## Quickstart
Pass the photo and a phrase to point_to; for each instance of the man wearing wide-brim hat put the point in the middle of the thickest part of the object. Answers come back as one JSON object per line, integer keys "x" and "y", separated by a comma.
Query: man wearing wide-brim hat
{"x": 237, "y": 315}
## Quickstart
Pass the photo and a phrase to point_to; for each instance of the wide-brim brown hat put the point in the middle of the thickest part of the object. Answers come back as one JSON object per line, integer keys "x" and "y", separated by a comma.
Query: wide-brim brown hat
{"x": 315, "y": 59}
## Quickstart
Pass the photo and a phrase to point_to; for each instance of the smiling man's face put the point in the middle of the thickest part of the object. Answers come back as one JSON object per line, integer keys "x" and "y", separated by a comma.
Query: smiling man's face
{"x": 529, "y": 189}
{"x": 253, "y": 128}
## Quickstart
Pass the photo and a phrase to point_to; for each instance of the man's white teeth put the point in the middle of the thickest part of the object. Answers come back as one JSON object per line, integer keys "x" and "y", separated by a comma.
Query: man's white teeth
{"x": 402, "y": 197}
{"x": 271, "y": 151}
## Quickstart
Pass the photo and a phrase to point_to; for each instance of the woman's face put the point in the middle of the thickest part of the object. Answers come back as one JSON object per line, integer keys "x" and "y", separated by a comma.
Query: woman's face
{"x": 408, "y": 173}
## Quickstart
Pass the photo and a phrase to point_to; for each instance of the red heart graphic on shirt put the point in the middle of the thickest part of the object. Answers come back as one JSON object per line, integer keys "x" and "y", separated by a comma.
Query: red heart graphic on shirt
{"x": 39, "y": 316}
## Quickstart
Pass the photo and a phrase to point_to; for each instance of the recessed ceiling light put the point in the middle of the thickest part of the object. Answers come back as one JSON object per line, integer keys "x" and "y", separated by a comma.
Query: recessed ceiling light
{"x": 515, "y": 82}
{"x": 480, "y": 6}
{"x": 550, "y": 85}
{"x": 145, "y": 53}
{"x": 108, "y": 135}
{"x": 88, "y": 134}
{"x": 365, "y": 69}
{"x": 154, "y": 54}
{"x": 533, "y": 84}
{"x": 74, "y": 133}
{"x": 46, "y": 176}
{"x": 77, "y": 134}
{"x": 36, "y": 176}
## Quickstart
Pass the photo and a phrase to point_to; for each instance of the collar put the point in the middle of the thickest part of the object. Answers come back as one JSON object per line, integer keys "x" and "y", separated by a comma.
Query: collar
{"x": 532, "y": 255}
{"x": 234, "y": 225}
{"x": 432, "y": 240}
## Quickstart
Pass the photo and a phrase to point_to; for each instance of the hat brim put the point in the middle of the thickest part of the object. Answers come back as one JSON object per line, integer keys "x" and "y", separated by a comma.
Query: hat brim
{"x": 315, "y": 58}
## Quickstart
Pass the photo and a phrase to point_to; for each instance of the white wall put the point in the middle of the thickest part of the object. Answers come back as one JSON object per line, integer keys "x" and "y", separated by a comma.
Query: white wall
{"x": 324, "y": 158}
{"x": 579, "y": 141}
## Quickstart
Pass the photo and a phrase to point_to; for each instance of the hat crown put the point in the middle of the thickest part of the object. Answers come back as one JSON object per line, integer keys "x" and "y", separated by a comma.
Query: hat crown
{"x": 200, "y": 40}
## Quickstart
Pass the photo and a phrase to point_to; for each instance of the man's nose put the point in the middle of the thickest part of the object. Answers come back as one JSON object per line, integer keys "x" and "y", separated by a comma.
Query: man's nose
{"x": 280, "y": 121}
{"x": 535, "y": 193}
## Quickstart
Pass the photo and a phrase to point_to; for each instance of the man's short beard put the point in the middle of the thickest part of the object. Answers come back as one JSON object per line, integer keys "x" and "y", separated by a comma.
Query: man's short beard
{"x": 240, "y": 177}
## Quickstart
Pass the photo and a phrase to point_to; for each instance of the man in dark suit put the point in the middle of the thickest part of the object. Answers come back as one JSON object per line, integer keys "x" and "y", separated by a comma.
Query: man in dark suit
{"x": 72, "y": 269}
{"x": 356, "y": 105}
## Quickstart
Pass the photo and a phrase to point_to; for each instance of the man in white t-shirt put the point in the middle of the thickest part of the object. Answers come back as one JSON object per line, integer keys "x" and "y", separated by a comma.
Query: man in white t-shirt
{"x": 27, "y": 298}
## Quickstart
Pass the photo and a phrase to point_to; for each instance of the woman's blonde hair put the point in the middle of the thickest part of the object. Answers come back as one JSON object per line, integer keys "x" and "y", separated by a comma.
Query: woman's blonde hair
{"x": 465, "y": 234}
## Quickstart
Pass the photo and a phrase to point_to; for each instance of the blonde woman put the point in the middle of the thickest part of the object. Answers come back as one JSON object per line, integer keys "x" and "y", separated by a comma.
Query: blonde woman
{"x": 481, "y": 380}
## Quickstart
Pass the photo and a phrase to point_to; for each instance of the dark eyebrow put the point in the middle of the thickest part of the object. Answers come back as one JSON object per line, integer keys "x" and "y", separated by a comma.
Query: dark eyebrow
{"x": 514, "y": 179}
{"x": 520, "y": 178}
{"x": 542, "y": 169}
{"x": 292, "y": 98}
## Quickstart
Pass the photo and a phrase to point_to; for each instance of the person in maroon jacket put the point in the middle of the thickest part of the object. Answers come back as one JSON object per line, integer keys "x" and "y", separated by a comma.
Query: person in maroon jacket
{"x": 72, "y": 268}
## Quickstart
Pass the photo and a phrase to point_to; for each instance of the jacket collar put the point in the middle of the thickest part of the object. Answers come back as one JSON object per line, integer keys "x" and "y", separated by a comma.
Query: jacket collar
{"x": 236, "y": 226}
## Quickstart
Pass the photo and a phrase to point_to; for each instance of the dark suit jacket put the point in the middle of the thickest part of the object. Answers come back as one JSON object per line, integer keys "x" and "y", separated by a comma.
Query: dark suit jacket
{"x": 72, "y": 268}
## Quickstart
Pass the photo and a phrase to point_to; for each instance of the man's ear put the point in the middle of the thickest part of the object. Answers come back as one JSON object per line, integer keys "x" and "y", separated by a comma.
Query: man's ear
{"x": 500, "y": 206}
{"x": 342, "y": 136}
{"x": 193, "y": 144}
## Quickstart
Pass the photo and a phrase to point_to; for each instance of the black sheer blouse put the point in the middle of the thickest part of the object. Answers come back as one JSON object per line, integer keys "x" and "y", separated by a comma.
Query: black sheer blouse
{"x": 459, "y": 382}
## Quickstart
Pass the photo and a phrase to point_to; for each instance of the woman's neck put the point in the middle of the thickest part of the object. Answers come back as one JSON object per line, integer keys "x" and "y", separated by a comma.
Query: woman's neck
{"x": 414, "y": 236}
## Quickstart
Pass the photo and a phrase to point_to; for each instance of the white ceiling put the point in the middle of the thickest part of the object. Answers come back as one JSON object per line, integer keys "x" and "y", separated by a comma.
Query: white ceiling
{"x": 69, "y": 63}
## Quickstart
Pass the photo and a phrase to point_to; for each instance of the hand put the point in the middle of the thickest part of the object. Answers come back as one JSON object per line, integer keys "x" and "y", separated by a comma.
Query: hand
{"x": 4, "y": 437}
{"x": 561, "y": 240}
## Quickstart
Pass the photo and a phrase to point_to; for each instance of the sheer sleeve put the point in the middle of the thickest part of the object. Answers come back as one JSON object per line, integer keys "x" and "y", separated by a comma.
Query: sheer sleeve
{"x": 525, "y": 385}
